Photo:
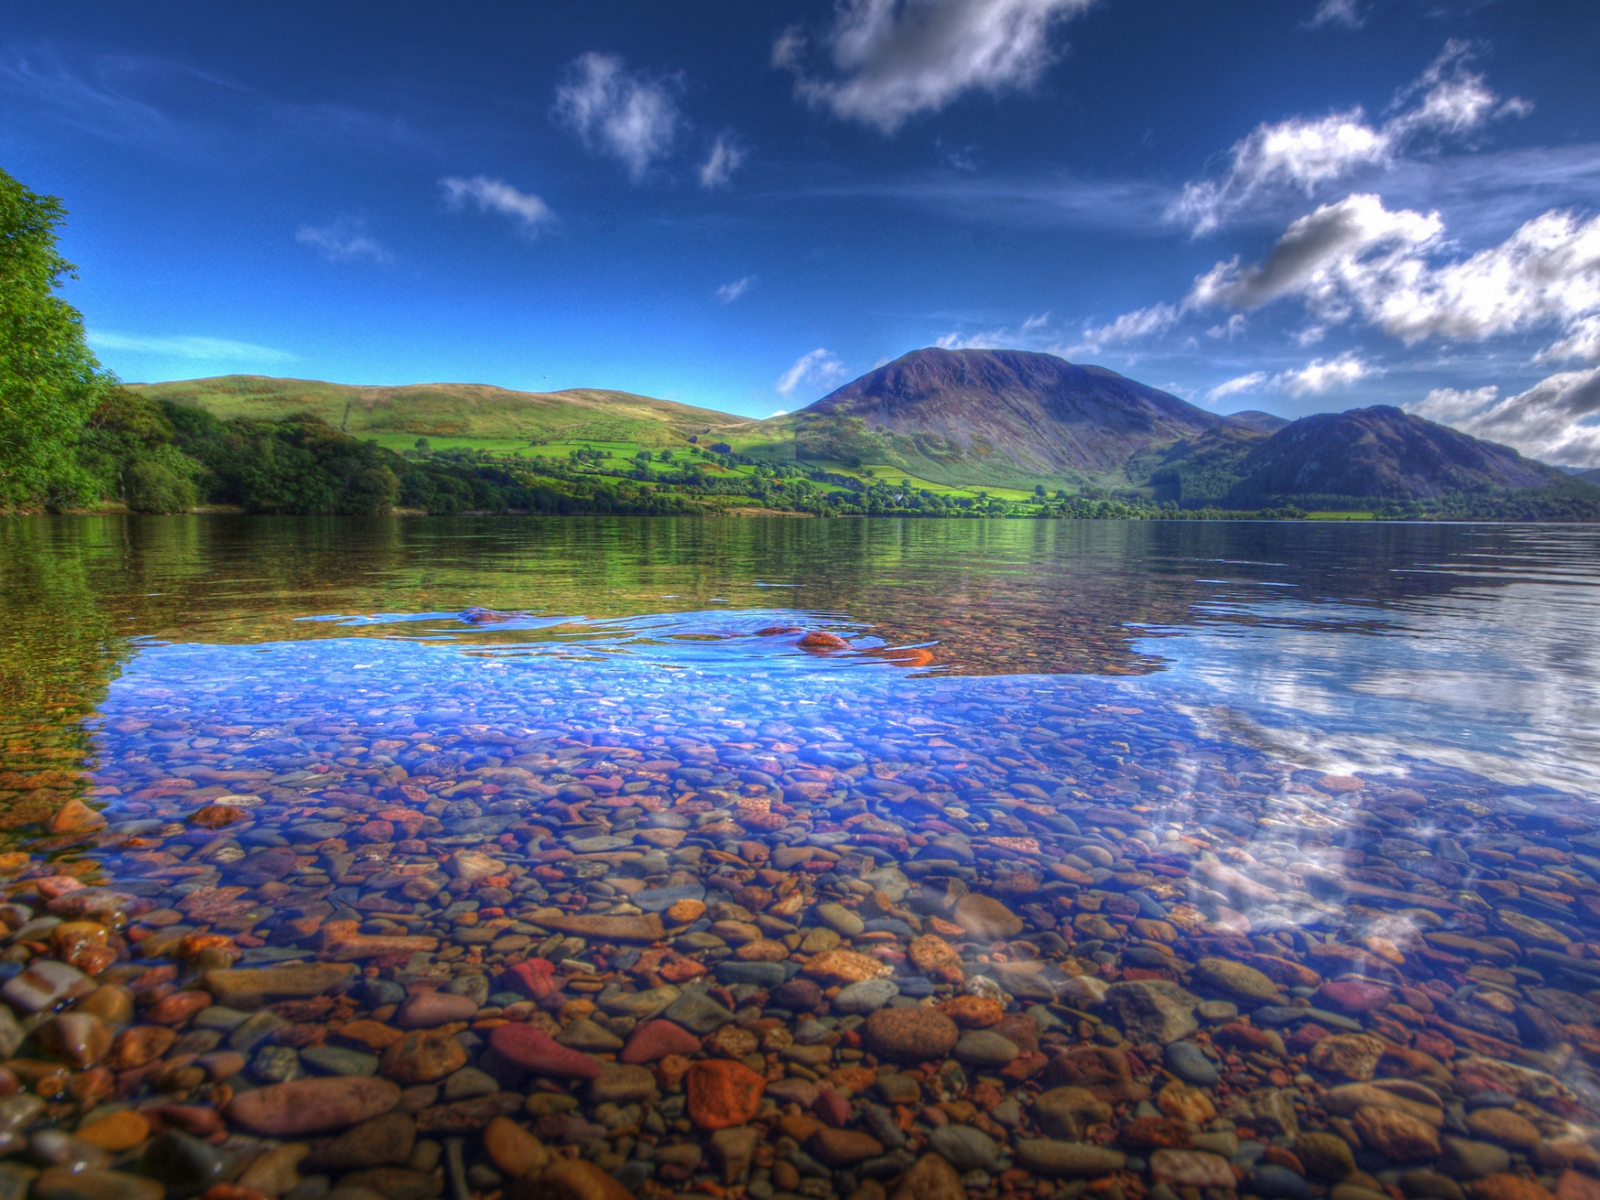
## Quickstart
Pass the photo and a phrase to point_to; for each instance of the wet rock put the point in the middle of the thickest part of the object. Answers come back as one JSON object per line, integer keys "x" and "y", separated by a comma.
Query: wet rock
{"x": 584, "y": 1034}
{"x": 251, "y": 987}
{"x": 930, "y": 1178}
{"x": 1397, "y": 1136}
{"x": 1505, "y": 1186}
{"x": 46, "y": 984}
{"x": 966, "y": 1148}
{"x": 422, "y": 1057}
{"x": 735, "y": 1148}
{"x": 1352, "y": 1055}
{"x": 427, "y": 1010}
{"x": 985, "y": 918}
{"x": 654, "y": 1040}
{"x": 722, "y": 1093}
{"x": 865, "y": 997}
{"x": 569, "y": 1179}
{"x": 840, "y": 919}
{"x": 514, "y": 1151}
{"x": 312, "y": 1105}
{"x": 1152, "y": 1010}
{"x": 700, "y": 1014}
{"x": 1191, "y": 1168}
{"x": 1504, "y": 1128}
{"x": 842, "y": 1147}
{"x": 622, "y": 1083}
{"x": 1071, "y": 1159}
{"x": 116, "y": 1131}
{"x": 1188, "y": 1063}
{"x": 538, "y": 1052}
{"x": 1464, "y": 1158}
{"x": 982, "y": 1048}
{"x": 1239, "y": 982}
{"x": 382, "y": 1141}
{"x": 186, "y": 1165}
{"x": 1325, "y": 1156}
{"x": 61, "y": 1183}
{"x": 844, "y": 967}
{"x": 910, "y": 1035}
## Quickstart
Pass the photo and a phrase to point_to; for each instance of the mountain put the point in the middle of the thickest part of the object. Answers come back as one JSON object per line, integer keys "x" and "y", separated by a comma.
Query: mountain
{"x": 462, "y": 410}
{"x": 1368, "y": 454}
{"x": 977, "y": 416}
{"x": 1255, "y": 419}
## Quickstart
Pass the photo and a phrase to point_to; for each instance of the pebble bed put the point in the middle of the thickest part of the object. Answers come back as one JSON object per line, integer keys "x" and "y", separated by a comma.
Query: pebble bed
{"x": 368, "y": 919}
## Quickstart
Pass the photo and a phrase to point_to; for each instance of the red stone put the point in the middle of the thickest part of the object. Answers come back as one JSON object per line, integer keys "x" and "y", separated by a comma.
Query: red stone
{"x": 722, "y": 1093}
{"x": 533, "y": 977}
{"x": 538, "y": 1052}
{"x": 1352, "y": 996}
{"x": 654, "y": 1040}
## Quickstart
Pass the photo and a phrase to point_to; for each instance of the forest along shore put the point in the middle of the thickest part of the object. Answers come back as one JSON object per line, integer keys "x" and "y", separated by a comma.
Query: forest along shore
{"x": 454, "y": 960}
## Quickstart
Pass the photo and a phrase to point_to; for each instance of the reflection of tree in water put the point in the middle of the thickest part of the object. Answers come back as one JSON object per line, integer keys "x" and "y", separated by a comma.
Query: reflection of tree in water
{"x": 998, "y": 597}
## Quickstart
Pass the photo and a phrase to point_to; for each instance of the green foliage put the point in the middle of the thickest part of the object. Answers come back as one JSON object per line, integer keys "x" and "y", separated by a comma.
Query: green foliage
{"x": 126, "y": 451}
{"x": 298, "y": 465}
{"x": 49, "y": 379}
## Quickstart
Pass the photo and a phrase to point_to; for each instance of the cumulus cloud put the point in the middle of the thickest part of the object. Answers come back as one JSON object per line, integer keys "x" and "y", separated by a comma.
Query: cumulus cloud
{"x": 627, "y": 115}
{"x": 1302, "y": 154}
{"x": 815, "y": 369}
{"x": 1554, "y": 420}
{"x": 729, "y": 292}
{"x": 498, "y": 196}
{"x": 1232, "y": 387}
{"x": 205, "y": 349}
{"x": 725, "y": 158}
{"x": 344, "y": 240}
{"x": 1358, "y": 260}
{"x": 888, "y": 60}
{"x": 1320, "y": 376}
{"x": 1140, "y": 323}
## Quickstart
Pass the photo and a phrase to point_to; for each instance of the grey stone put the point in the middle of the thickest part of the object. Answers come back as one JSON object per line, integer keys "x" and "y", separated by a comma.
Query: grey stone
{"x": 763, "y": 974}
{"x": 966, "y": 1148}
{"x": 257, "y": 1029}
{"x": 867, "y": 996}
{"x": 661, "y": 899}
{"x": 336, "y": 1060}
{"x": 698, "y": 1013}
{"x": 1189, "y": 1063}
{"x": 1073, "y": 1159}
{"x": 982, "y": 1048}
{"x": 1273, "y": 1182}
{"x": 469, "y": 1082}
{"x": 184, "y": 1163}
{"x": 220, "y": 1018}
{"x": 840, "y": 919}
{"x": 1466, "y": 1159}
{"x": 276, "y": 1064}
{"x": 1152, "y": 1010}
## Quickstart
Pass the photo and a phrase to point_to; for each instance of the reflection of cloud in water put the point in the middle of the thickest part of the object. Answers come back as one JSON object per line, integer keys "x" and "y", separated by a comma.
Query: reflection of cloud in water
{"x": 1501, "y": 681}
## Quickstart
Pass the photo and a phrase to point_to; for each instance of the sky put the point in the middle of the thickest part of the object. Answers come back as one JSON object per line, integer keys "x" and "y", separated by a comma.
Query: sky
{"x": 1288, "y": 205}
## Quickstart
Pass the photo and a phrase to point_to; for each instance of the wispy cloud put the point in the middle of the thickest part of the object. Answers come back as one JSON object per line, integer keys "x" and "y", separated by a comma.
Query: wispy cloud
{"x": 343, "y": 240}
{"x": 627, "y": 115}
{"x": 815, "y": 369}
{"x": 204, "y": 349}
{"x": 885, "y": 61}
{"x": 1232, "y": 387}
{"x": 1302, "y": 154}
{"x": 729, "y": 292}
{"x": 1338, "y": 12}
{"x": 725, "y": 158}
{"x": 498, "y": 196}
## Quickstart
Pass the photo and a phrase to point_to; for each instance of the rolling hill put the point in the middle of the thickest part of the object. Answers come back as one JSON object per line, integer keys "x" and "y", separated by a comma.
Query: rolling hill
{"x": 459, "y": 410}
{"x": 1000, "y": 419}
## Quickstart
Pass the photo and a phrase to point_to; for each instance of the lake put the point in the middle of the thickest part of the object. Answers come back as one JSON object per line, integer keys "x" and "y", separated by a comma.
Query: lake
{"x": 1214, "y": 822}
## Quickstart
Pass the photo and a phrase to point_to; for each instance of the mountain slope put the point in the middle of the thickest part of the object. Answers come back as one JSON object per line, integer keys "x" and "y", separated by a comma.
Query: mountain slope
{"x": 449, "y": 409}
{"x": 981, "y": 415}
{"x": 1255, "y": 419}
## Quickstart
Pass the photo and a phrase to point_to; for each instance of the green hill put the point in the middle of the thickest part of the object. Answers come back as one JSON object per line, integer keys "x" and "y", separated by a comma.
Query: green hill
{"x": 471, "y": 412}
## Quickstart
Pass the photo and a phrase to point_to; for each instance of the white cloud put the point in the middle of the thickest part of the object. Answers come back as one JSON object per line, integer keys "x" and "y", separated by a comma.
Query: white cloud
{"x": 893, "y": 59}
{"x": 777, "y": 412}
{"x": 815, "y": 369}
{"x": 1339, "y": 12}
{"x": 726, "y": 157}
{"x": 1357, "y": 259}
{"x": 1232, "y": 328}
{"x": 204, "y": 349}
{"x": 1320, "y": 376}
{"x": 1030, "y": 332}
{"x": 629, "y": 116}
{"x": 344, "y": 240}
{"x": 729, "y": 292}
{"x": 1553, "y": 421}
{"x": 1232, "y": 387}
{"x": 1140, "y": 323}
{"x": 1302, "y": 154}
{"x": 496, "y": 195}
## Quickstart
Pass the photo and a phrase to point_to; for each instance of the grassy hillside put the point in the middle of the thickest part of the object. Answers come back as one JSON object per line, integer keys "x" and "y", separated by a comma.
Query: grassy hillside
{"x": 464, "y": 412}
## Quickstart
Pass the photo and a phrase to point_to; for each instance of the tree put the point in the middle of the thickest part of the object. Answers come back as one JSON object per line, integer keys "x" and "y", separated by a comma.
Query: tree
{"x": 49, "y": 380}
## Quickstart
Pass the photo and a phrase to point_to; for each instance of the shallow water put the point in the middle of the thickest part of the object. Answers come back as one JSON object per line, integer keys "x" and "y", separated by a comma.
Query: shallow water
{"x": 1318, "y": 751}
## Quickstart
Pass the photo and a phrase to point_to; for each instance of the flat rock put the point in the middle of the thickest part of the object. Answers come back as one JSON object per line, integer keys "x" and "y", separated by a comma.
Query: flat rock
{"x": 1152, "y": 1010}
{"x": 312, "y": 1105}
{"x": 1075, "y": 1160}
{"x": 910, "y": 1035}
{"x": 253, "y": 986}
{"x": 645, "y": 928}
{"x": 540, "y": 1053}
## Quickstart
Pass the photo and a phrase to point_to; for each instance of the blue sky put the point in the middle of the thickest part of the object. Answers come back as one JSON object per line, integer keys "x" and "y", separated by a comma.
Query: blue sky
{"x": 1293, "y": 205}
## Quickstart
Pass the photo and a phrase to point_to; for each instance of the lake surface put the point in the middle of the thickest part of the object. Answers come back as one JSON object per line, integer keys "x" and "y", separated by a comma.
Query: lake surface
{"x": 1324, "y": 756}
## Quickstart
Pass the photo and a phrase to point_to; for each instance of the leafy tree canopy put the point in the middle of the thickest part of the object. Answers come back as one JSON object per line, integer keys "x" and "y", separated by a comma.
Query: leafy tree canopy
{"x": 49, "y": 380}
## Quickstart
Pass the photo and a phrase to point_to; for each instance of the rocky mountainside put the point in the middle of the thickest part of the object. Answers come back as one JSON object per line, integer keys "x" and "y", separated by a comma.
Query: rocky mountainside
{"x": 988, "y": 413}
{"x": 1378, "y": 453}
